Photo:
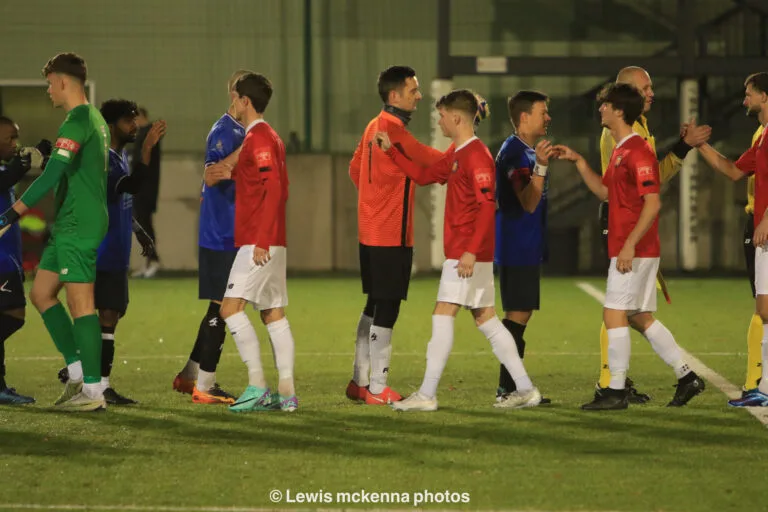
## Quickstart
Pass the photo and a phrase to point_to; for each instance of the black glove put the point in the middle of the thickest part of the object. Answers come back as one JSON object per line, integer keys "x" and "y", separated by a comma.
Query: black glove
{"x": 147, "y": 244}
{"x": 20, "y": 164}
{"x": 45, "y": 147}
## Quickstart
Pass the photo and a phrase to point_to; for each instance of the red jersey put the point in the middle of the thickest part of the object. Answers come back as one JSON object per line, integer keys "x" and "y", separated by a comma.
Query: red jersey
{"x": 632, "y": 172}
{"x": 755, "y": 161}
{"x": 261, "y": 189}
{"x": 385, "y": 193}
{"x": 470, "y": 204}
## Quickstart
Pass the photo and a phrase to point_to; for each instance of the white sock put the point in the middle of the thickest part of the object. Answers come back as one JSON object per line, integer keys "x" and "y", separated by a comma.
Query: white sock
{"x": 93, "y": 390}
{"x": 666, "y": 347}
{"x": 438, "y": 350}
{"x": 75, "y": 371}
{"x": 283, "y": 349}
{"x": 189, "y": 372}
{"x": 505, "y": 350}
{"x": 381, "y": 354}
{"x": 205, "y": 380}
{"x": 104, "y": 383}
{"x": 362, "y": 367}
{"x": 763, "y": 387}
{"x": 619, "y": 351}
{"x": 248, "y": 345}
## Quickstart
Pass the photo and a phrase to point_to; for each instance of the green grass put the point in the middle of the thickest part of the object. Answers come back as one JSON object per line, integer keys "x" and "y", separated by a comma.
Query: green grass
{"x": 169, "y": 452}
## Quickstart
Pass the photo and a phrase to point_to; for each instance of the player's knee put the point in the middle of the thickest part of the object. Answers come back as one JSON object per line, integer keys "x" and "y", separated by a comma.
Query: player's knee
{"x": 641, "y": 321}
{"x": 386, "y": 313}
{"x": 42, "y": 299}
{"x": 108, "y": 318}
{"x": 271, "y": 315}
{"x": 229, "y": 308}
{"x": 18, "y": 314}
{"x": 482, "y": 315}
{"x": 520, "y": 317}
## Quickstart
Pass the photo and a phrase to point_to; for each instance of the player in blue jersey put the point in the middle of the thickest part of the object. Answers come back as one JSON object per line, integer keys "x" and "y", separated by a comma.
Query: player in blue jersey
{"x": 216, "y": 254}
{"x": 114, "y": 253}
{"x": 14, "y": 164}
{"x": 521, "y": 217}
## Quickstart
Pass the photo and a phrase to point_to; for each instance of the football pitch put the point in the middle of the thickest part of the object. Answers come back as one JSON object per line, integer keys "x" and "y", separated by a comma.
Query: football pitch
{"x": 169, "y": 454}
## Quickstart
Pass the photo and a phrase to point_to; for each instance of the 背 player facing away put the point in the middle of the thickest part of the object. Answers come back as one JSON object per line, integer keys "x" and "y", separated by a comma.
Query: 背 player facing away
{"x": 114, "y": 254}
{"x": 385, "y": 204}
{"x": 216, "y": 254}
{"x": 754, "y": 161}
{"x": 258, "y": 273}
{"x": 14, "y": 164}
{"x": 631, "y": 184}
{"x": 691, "y": 136}
{"x": 467, "y": 277}
{"x": 78, "y": 170}
{"x": 521, "y": 217}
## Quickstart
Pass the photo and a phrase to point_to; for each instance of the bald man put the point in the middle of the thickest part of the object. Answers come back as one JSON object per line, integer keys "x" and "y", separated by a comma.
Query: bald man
{"x": 691, "y": 136}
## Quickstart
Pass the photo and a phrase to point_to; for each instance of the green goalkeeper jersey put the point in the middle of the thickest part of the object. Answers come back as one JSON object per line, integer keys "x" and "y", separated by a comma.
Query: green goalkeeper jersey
{"x": 81, "y": 193}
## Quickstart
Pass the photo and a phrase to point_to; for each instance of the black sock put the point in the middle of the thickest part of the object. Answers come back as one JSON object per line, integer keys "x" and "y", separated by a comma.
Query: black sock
{"x": 107, "y": 349}
{"x": 516, "y": 330}
{"x": 8, "y": 326}
{"x": 212, "y": 334}
{"x": 195, "y": 354}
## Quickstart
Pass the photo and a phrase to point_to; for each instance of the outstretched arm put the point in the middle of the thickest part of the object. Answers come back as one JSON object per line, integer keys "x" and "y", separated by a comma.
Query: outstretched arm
{"x": 593, "y": 180}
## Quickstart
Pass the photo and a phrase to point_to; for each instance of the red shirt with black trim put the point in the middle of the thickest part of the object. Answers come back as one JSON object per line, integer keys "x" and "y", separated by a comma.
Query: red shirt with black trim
{"x": 632, "y": 172}
{"x": 261, "y": 188}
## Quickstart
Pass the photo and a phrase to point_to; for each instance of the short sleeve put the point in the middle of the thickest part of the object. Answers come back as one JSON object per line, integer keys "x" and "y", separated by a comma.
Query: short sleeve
{"x": 646, "y": 171}
{"x": 747, "y": 162}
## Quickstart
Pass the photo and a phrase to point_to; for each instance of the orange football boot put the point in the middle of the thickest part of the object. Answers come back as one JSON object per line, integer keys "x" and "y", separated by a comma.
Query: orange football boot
{"x": 355, "y": 392}
{"x": 183, "y": 385}
{"x": 386, "y": 397}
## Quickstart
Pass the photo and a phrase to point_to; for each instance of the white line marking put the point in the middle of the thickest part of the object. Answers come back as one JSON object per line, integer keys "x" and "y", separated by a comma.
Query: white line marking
{"x": 720, "y": 382}
{"x": 149, "y": 508}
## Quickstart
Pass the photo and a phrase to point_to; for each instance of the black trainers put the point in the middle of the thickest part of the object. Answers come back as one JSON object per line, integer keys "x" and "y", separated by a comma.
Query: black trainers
{"x": 607, "y": 400}
{"x": 633, "y": 395}
{"x": 114, "y": 398}
{"x": 687, "y": 388}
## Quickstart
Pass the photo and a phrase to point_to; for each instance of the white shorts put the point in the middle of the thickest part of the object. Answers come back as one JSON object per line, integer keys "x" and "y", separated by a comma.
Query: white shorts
{"x": 761, "y": 270}
{"x": 263, "y": 286}
{"x": 634, "y": 291}
{"x": 473, "y": 292}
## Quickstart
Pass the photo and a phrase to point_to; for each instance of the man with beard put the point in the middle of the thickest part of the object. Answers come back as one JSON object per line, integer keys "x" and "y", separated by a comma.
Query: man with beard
{"x": 113, "y": 256}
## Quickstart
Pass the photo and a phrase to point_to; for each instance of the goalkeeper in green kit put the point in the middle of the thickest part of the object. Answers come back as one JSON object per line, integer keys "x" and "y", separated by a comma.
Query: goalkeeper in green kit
{"x": 77, "y": 170}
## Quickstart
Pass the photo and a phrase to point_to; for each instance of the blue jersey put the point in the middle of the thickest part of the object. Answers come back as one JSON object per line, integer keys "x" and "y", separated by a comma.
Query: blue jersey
{"x": 10, "y": 244}
{"x": 217, "y": 203}
{"x": 520, "y": 236}
{"x": 115, "y": 250}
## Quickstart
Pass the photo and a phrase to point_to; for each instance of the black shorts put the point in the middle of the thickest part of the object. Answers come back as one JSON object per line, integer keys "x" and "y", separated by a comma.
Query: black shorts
{"x": 520, "y": 287}
{"x": 386, "y": 271}
{"x": 111, "y": 291}
{"x": 749, "y": 250}
{"x": 12, "y": 291}
{"x": 213, "y": 273}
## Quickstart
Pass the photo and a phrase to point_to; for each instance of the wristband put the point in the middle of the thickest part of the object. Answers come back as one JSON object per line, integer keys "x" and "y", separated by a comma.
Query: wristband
{"x": 540, "y": 170}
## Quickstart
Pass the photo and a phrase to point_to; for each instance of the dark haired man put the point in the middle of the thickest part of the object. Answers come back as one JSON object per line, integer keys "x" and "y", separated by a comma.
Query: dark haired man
{"x": 631, "y": 183}
{"x": 385, "y": 232}
{"x": 521, "y": 218}
{"x": 258, "y": 276}
{"x": 754, "y": 161}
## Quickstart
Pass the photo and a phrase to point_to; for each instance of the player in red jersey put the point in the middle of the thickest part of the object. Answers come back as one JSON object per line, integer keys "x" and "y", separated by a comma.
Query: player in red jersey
{"x": 754, "y": 161}
{"x": 631, "y": 183}
{"x": 258, "y": 272}
{"x": 469, "y": 233}
{"x": 385, "y": 231}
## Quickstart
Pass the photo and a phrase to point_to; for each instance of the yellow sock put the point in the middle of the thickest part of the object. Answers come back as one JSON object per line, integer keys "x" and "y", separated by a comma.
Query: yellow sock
{"x": 605, "y": 373}
{"x": 754, "y": 352}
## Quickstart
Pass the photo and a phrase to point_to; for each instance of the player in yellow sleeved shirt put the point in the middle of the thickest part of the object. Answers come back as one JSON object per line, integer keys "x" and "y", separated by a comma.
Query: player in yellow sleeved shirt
{"x": 691, "y": 136}
{"x": 755, "y": 331}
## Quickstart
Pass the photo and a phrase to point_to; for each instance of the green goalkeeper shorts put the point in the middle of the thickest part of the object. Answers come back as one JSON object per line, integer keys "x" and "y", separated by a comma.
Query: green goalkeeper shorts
{"x": 74, "y": 259}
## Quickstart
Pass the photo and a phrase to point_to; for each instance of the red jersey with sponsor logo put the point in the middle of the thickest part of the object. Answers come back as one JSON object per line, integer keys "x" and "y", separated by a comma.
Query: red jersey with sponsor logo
{"x": 470, "y": 203}
{"x": 755, "y": 161}
{"x": 261, "y": 189}
{"x": 632, "y": 172}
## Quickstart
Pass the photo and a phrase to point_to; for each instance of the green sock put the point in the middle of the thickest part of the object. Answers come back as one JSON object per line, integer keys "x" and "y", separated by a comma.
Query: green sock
{"x": 88, "y": 337}
{"x": 59, "y": 326}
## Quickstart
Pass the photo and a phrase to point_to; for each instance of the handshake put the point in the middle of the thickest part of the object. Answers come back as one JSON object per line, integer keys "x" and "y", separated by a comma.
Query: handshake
{"x": 36, "y": 156}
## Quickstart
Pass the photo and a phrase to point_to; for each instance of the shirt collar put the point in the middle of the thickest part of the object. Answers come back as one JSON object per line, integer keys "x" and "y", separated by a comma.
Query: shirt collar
{"x": 471, "y": 139}
{"x": 254, "y": 124}
{"x": 625, "y": 139}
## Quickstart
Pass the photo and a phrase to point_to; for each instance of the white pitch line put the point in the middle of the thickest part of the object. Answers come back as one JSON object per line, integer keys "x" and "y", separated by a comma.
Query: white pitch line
{"x": 161, "y": 508}
{"x": 720, "y": 382}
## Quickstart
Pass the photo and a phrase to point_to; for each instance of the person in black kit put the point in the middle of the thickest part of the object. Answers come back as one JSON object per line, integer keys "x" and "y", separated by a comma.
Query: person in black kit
{"x": 145, "y": 201}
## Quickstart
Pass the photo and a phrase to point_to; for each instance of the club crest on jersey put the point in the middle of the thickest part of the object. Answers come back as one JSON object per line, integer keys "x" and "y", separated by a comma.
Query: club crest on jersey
{"x": 219, "y": 145}
{"x": 455, "y": 166}
{"x": 618, "y": 161}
